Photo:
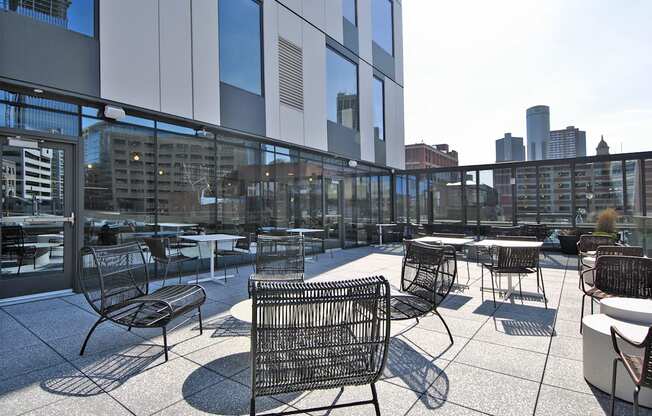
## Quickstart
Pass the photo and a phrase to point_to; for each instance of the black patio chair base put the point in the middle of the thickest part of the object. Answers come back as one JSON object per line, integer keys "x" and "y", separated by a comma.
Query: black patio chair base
{"x": 373, "y": 401}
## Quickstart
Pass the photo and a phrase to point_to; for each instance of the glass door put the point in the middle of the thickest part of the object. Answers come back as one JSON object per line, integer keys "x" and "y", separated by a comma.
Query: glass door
{"x": 333, "y": 214}
{"x": 36, "y": 217}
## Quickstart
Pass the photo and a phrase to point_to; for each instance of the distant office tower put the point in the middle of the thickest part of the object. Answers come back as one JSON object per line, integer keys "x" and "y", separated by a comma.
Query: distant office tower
{"x": 566, "y": 143}
{"x": 509, "y": 149}
{"x": 538, "y": 131}
{"x": 603, "y": 147}
{"x": 422, "y": 156}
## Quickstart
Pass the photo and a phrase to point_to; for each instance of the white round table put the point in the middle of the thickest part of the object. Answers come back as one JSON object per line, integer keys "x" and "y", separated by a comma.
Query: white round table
{"x": 242, "y": 311}
{"x": 628, "y": 309}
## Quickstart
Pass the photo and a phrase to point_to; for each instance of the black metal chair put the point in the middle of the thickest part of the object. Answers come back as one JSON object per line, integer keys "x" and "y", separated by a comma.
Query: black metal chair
{"x": 240, "y": 247}
{"x": 115, "y": 281}
{"x": 638, "y": 367}
{"x": 278, "y": 258}
{"x": 617, "y": 275}
{"x": 310, "y": 336}
{"x": 424, "y": 282}
{"x": 589, "y": 243}
{"x": 515, "y": 260}
{"x": 14, "y": 248}
{"x": 539, "y": 231}
{"x": 165, "y": 254}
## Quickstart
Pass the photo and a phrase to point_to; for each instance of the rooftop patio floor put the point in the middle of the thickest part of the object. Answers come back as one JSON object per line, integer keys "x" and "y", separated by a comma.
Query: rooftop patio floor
{"x": 517, "y": 359}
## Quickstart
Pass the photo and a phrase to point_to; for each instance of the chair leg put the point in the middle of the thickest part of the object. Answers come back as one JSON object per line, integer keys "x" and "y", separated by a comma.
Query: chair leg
{"x": 165, "y": 342}
{"x": 637, "y": 389}
{"x": 252, "y": 407}
{"x": 520, "y": 288}
{"x": 612, "y": 402}
{"x": 88, "y": 336}
{"x": 179, "y": 272}
{"x": 165, "y": 274}
{"x": 445, "y": 326}
{"x": 493, "y": 289}
{"x": 582, "y": 312}
{"x": 201, "y": 326}
{"x": 543, "y": 287}
{"x": 375, "y": 399}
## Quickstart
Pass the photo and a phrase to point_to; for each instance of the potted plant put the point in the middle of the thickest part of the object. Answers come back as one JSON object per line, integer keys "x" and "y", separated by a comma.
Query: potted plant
{"x": 568, "y": 239}
{"x": 605, "y": 225}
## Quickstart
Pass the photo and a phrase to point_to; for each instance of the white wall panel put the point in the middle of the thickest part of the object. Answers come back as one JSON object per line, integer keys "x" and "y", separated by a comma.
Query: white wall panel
{"x": 394, "y": 129}
{"x": 205, "y": 58}
{"x": 291, "y": 125}
{"x": 398, "y": 41}
{"x": 176, "y": 57}
{"x": 270, "y": 54}
{"x": 334, "y": 26}
{"x": 367, "y": 150}
{"x": 294, "y": 5}
{"x": 314, "y": 88}
{"x": 364, "y": 30}
{"x": 314, "y": 11}
{"x": 129, "y": 52}
{"x": 290, "y": 26}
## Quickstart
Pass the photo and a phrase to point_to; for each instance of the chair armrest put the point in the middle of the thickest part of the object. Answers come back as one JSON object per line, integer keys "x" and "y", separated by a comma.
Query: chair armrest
{"x": 615, "y": 334}
{"x": 590, "y": 269}
{"x": 145, "y": 301}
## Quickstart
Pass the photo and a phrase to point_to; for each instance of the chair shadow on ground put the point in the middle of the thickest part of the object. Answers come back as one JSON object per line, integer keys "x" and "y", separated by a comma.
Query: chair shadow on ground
{"x": 409, "y": 367}
{"x": 455, "y": 301}
{"x": 106, "y": 373}
{"x": 227, "y": 326}
{"x": 234, "y": 397}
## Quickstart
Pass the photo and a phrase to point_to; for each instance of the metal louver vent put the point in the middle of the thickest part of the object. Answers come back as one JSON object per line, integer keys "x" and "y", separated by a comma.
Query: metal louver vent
{"x": 290, "y": 73}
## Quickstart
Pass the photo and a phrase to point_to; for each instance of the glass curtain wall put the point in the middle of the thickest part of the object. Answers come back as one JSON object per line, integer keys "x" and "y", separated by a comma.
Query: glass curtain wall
{"x": 555, "y": 196}
{"x": 598, "y": 186}
{"x": 446, "y": 197}
{"x": 496, "y": 204}
{"x": 526, "y": 195}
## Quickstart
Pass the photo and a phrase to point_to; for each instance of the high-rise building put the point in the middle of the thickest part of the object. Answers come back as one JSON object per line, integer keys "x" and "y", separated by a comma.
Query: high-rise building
{"x": 567, "y": 143}
{"x": 422, "y": 156}
{"x": 510, "y": 149}
{"x": 538, "y": 131}
{"x": 603, "y": 147}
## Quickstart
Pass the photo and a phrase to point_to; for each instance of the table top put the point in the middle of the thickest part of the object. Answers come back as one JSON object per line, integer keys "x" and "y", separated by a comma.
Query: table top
{"x": 42, "y": 245}
{"x": 242, "y": 311}
{"x": 211, "y": 237}
{"x": 304, "y": 230}
{"x": 506, "y": 243}
{"x": 174, "y": 224}
{"x": 445, "y": 240}
{"x": 385, "y": 225}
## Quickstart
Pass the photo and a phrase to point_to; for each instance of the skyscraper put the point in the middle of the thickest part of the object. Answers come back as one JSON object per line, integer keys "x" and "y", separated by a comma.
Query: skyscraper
{"x": 510, "y": 148}
{"x": 538, "y": 131}
{"x": 603, "y": 147}
{"x": 567, "y": 143}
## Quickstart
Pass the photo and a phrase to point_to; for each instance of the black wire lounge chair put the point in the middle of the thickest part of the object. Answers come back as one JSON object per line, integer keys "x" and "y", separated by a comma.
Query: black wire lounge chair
{"x": 278, "y": 258}
{"x": 425, "y": 282}
{"x": 115, "y": 281}
{"x": 311, "y": 336}
{"x": 167, "y": 254}
{"x": 638, "y": 367}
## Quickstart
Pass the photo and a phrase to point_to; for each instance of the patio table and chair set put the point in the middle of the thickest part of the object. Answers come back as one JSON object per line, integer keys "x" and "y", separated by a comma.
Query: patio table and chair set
{"x": 323, "y": 334}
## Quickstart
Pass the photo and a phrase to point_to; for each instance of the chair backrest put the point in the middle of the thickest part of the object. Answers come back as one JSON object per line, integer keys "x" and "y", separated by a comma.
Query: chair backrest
{"x": 278, "y": 232}
{"x": 422, "y": 273}
{"x": 158, "y": 247}
{"x": 632, "y": 251}
{"x": 244, "y": 243}
{"x": 111, "y": 275}
{"x": 517, "y": 258}
{"x": 589, "y": 242}
{"x": 624, "y": 276}
{"x": 279, "y": 255}
{"x": 539, "y": 231}
{"x": 13, "y": 238}
{"x": 512, "y": 231}
{"x": 307, "y": 336}
{"x": 516, "y": 237}
{"x": 646, "y": 374}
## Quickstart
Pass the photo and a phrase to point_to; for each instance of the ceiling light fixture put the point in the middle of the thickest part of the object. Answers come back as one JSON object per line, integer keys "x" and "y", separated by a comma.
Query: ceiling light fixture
{"x": 38, "y": 90}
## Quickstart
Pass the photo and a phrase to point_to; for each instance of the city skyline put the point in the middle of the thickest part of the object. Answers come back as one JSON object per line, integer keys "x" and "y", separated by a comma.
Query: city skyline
{"x": 504, "y": 58}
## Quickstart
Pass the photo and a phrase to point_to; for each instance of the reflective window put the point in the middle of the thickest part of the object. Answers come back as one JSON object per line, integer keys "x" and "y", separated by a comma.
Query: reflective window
{"x": 240, "y": 50}
{"x": 75, "y": 15}
{"x": 39, "y": 114}
{"x": 341, "y": 90}
{"x": 446, "y": 197}
{"x": 496, "y": 206}
{"x": 526, "y": 195}
{"x": 349, "y": 11}
{"x": 379, "y": 109}
{"x": 598, "y": 186}
{"x": 555, "y": 204}
{"x": 383, "y": 27}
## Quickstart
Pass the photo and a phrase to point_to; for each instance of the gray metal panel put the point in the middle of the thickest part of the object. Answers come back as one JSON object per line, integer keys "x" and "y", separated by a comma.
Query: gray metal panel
{"x": 43, "y": 54}
{"x": 343, "y": 140}
{"x": 336, "y": 46}
{"x": 350, "y": 36}
{"x": 383, "y": 61}
{"x": 380, "y": 152}
{"x": 242, "y": 110}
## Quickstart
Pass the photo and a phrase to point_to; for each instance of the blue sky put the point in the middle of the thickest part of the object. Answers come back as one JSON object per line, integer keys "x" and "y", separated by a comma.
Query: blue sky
{"x": 473, "y": 67}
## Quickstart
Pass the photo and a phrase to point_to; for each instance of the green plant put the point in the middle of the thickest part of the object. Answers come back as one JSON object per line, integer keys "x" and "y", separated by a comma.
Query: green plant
{"x": 606, "y": 222}
{"x": 568, "y": 232}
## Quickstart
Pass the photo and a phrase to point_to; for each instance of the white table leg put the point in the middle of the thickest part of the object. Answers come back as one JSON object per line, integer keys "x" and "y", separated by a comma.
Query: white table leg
{"x": 211, "y": 245}
{"x": 380, "y": 232}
